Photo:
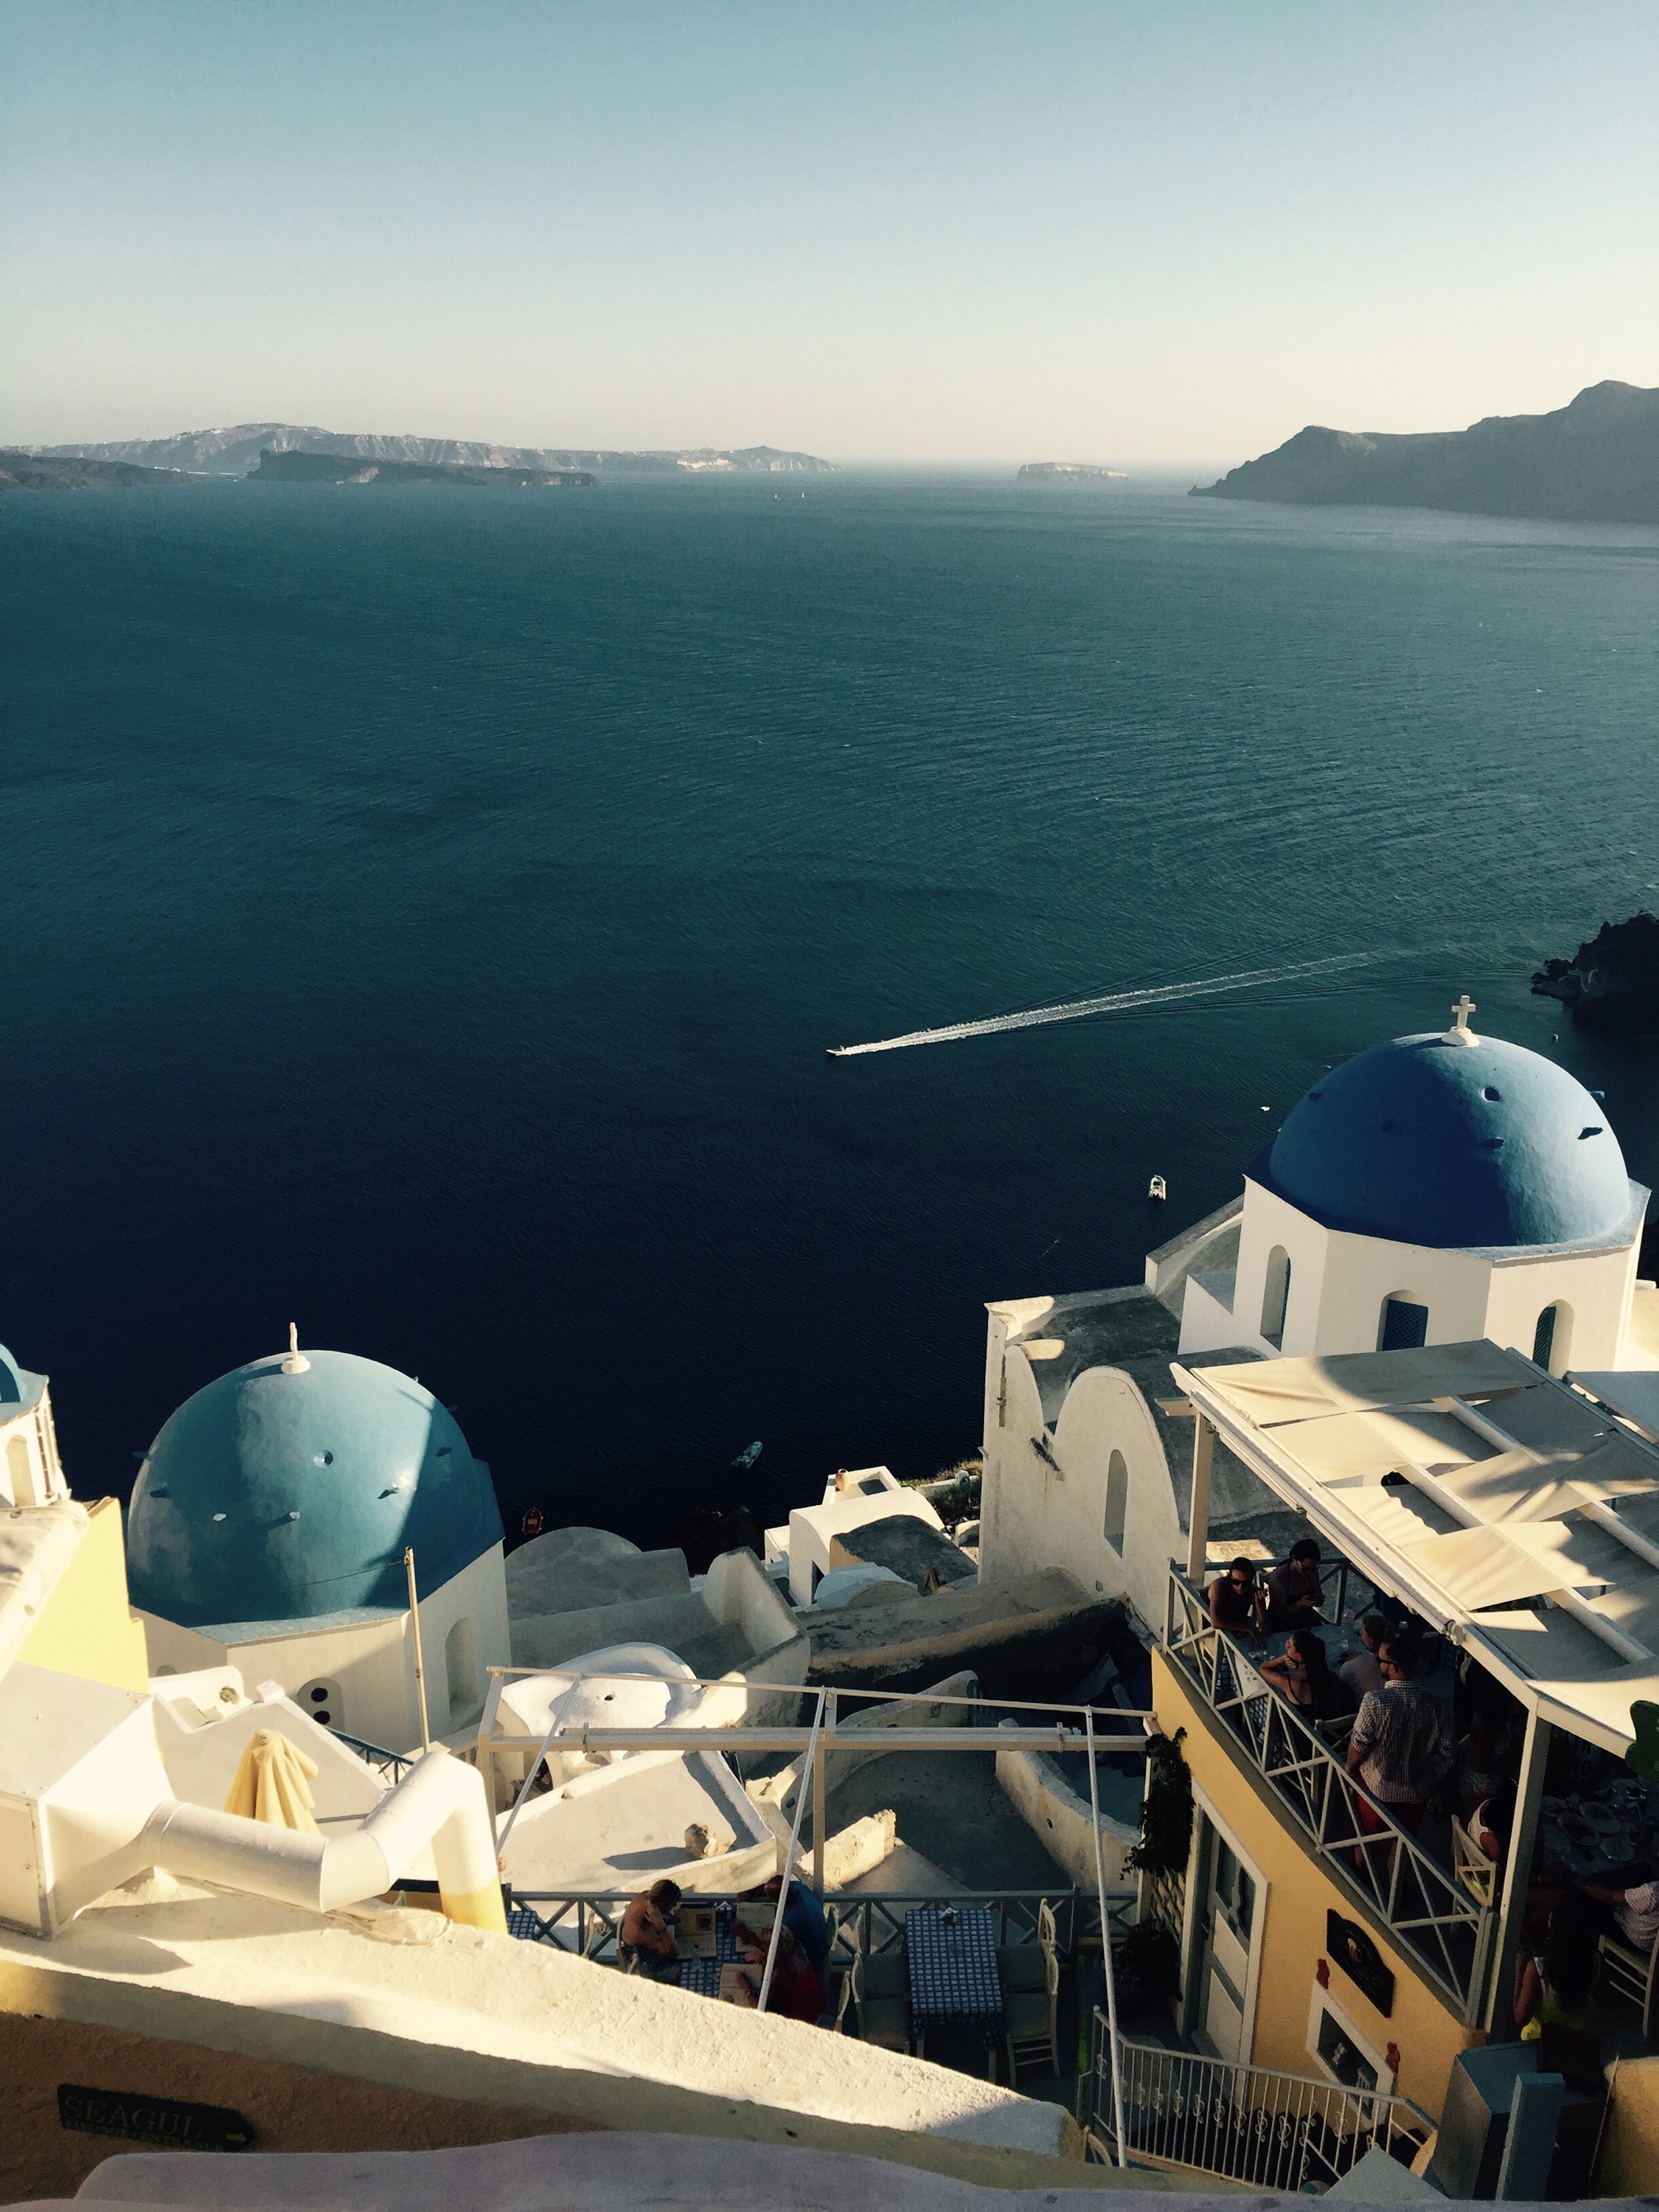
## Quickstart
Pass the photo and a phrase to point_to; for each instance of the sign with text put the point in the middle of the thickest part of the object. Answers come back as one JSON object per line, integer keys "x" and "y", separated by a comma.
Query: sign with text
{"x": 165, "y": 2123}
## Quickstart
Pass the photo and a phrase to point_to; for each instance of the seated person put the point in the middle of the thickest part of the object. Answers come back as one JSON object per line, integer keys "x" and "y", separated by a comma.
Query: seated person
{"x": 1304, "y": 1675}
{"x": 1361, "y": 1672}
{"x": 1234, "y": 1602}
{"x": 1552, "y": 1986}
{"x": 1482, "y": 1771}
{"x": 796, "y": 1992}
{"x": 645, "y": 1942}
{"x": 1294, "y": 1593}
{"x": 1630, "y": 1915}
{"x": 803, "y": 1916}
{"x": 1490, "y": 1823}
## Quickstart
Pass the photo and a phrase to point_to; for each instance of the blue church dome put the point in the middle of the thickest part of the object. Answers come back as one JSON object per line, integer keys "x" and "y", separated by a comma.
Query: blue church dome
{"x": 281, "y": 1495}
{"x": 1429, "y": 1141}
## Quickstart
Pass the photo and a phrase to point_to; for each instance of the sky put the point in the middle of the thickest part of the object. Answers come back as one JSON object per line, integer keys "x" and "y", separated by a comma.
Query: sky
{"x": 923, "y": 230}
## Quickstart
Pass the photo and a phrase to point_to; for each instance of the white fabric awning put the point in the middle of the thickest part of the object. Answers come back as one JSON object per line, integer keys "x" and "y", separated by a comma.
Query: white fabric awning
{"x": 1470, "y": 1484}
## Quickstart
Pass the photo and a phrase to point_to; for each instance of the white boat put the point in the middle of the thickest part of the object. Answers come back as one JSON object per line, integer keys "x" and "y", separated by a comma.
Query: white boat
{"x": 1156, "y": 1187}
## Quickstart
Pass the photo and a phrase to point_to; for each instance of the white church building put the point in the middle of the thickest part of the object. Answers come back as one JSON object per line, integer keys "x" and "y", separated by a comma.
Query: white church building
{"x": 1434, "y": 1189}
{"x": 268, "y": 1528}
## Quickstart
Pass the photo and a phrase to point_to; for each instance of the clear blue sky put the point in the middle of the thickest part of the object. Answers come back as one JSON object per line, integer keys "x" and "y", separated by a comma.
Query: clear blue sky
{"x": 925, "y": 230}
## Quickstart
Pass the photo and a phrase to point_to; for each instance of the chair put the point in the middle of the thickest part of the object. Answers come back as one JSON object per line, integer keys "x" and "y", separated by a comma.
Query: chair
{"x": 1024, "y": 1966}
{"x": 882, "y": 2020}
{"x": 1472, "y": 1869}
{"x": 1033, "y": 2022}
{"x": 835, "y": 2017}
{"x": 1630, "y": 1973}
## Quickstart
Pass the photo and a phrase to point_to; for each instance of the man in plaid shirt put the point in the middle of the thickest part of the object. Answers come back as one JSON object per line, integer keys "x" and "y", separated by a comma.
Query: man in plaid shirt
{"x": 1403, "y": 1743}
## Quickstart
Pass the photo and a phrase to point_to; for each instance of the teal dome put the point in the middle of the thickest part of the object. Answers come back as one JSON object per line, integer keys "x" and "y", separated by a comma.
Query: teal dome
{"x": 1433, "y": 1142}
{"x": 279, "y": 1495}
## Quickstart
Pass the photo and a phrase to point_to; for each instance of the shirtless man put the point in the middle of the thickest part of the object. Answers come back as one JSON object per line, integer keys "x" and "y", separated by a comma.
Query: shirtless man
{"x": 645, "y": 1942}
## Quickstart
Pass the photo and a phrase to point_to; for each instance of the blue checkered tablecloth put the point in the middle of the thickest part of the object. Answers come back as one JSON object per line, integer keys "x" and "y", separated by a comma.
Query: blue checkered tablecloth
{"x": 953, "y": 1967}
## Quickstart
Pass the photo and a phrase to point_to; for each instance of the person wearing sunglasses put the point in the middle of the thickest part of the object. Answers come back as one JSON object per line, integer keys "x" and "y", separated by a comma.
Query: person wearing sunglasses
{"x": 1236, "y": 1604}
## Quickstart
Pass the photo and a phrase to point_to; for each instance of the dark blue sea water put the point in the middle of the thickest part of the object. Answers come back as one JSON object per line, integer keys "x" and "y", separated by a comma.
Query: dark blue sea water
{"x": 424, "y": 913}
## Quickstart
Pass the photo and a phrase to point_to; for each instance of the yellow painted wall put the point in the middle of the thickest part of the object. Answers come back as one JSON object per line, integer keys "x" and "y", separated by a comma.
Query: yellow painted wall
{"x": 1629, "y": 2163}
{"x": 86, "y": 1626}
{"x": 1429, "y": 2033}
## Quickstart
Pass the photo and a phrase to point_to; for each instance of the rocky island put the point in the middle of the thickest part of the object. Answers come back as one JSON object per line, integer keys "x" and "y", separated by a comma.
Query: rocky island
{"x": 42, "y": 473}
{"x": 348, "y": 469}
{"x": 1067, "y": 472}
{"x": 1595, "y": 460}
{"x": 1612, "y": 982}
{"x": 237, "y": 452}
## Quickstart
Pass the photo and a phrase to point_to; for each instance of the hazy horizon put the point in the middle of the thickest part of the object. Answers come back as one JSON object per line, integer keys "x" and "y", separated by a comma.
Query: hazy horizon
{"x": 962, "y": 235}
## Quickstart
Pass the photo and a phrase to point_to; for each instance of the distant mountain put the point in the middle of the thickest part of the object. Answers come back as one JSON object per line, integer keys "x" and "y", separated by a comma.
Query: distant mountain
{"x": 20, "y": 471}
{"x": 1067, "y": 472}
{"x": 1595, "y": 461}
{"x": 236, "y": 452}
{"x": 294, "y": 467}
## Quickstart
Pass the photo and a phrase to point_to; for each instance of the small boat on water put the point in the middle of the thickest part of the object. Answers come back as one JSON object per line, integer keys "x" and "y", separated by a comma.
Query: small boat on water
{"x": 748, "y": 1455}
{"x": 1156, "y": 1187}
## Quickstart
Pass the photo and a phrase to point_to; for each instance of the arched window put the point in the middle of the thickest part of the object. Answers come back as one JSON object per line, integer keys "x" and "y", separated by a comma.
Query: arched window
{"x": 1276, "y": 1296}
{"x": 1551, "y": 1341}
{"x": 460, "y": 1667}
{"x": 1405, "y": 1323}
{"x": 1117, "y": 1500}
{"x": 19, "y": 1472}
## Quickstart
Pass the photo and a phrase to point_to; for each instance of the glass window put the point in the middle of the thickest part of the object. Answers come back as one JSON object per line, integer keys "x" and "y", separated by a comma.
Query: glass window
{"x": 1339, "y": 2052}
{"x": 1276, "y": 1297}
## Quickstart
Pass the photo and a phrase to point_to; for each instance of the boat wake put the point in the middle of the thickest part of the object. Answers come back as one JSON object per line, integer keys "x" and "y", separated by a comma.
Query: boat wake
{"x": 1111, "y": 1002}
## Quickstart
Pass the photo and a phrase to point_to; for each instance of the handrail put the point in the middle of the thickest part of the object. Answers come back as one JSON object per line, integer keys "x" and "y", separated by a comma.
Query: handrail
{"x": 1259, "y": 2124}
{"x": 1106, "y": 1941}
{"x": 1420, "y": 1903}
{"x": 812, "y": 1689}
{"x": 394, "y": 1764}
{"x": 861, "y": 1922}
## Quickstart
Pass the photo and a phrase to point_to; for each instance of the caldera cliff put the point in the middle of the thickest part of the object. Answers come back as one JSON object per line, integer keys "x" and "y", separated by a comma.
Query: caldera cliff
{"x": 1595, "y": 460}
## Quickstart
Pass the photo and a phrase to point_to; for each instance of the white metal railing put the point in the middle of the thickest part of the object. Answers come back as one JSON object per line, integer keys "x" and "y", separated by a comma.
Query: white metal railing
{"x": 1275, "y": 2131}
{"x": 1447, "y": 1929}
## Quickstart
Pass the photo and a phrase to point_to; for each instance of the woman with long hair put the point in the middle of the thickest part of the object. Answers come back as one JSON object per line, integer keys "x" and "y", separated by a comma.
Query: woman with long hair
{"x": 1304, "y": 1676}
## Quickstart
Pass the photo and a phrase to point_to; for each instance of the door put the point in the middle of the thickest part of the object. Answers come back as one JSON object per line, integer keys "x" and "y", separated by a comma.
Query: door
{"x": 1229, "y": 1916}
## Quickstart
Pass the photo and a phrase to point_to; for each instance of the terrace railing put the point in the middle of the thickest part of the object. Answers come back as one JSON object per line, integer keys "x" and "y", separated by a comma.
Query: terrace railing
{"x": 1285, "y": 2132}
{"x": 1421, "y": 1903}
{"x": 394, "y": 1764}
{"x": 587, "y": 1922}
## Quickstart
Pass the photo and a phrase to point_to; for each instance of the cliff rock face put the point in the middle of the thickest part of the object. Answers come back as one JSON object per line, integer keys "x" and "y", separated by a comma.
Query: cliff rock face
{"x": 346, "y": 468}
{"x": 1611, "y": 983}
{"x": 1595, "y": 461}
{"x": 37, "y": 472}
{"x": 236, "y": 452}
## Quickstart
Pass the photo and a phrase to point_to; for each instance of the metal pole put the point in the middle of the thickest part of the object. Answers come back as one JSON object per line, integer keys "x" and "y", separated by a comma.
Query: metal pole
{"x": 1198, "y": 1516}
{"x": 415, "y": 1631}
{"x": 789, "y": 1869}
{"x": 1106, "y": 1949}
{"x": 1511, "y": 1911}
{"x": 817, "y": 1804}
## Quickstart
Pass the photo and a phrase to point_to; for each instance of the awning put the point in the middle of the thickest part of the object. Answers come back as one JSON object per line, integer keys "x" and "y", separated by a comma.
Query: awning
{"x": 1298, "y": 1389}
{"x": 1560, "y": 1496}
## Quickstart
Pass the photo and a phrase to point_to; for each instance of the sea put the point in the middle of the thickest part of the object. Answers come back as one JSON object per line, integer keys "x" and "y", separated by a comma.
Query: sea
{"x": 425, "y": 914}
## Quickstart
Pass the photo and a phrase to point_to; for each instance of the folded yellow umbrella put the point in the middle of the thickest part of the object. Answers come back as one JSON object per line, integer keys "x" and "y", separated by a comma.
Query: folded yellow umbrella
{"x": 273, "y": 1783}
